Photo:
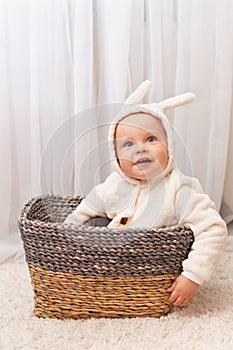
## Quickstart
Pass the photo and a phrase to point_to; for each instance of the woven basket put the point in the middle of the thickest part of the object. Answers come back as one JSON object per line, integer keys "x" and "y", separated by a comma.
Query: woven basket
{"x": 82, "y": 272}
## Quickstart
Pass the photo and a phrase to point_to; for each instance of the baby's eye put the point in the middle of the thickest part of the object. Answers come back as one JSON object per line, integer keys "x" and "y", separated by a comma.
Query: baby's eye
{"x": 128, "y": 144}
{"x": 151, "y": 139}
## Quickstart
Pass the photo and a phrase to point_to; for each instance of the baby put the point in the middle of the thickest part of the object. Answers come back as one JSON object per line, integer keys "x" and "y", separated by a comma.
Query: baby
{"x": 148, "y": 190}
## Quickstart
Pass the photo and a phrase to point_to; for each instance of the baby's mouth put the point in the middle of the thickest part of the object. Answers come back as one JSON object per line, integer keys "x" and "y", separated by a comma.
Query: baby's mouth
{"x": 142, "y": 161}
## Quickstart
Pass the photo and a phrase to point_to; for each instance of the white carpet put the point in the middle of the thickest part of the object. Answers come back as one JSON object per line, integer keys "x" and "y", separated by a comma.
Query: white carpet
{"x": 205, "y": 324}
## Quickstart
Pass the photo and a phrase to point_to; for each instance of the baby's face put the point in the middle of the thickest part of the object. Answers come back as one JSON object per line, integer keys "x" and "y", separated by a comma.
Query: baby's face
{"x": 140, "y": 143}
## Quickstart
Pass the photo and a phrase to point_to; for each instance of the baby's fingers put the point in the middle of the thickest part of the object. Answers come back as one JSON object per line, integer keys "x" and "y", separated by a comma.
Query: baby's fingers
{"x": 173, "y": 297}
{"x": 170, "y": 289}
{"x": 179, "y": 301}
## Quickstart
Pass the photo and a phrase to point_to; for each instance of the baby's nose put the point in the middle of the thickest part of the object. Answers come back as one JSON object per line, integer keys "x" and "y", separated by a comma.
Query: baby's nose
{"x": 140, "y": 147}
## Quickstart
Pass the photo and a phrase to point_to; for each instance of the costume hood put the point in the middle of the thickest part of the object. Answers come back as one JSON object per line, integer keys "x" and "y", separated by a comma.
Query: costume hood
{"x": 155, "y": 109}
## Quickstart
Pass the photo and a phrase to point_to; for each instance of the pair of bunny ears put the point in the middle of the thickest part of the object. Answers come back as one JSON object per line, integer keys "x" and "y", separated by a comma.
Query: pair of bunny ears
{"x": 169, "y": 103}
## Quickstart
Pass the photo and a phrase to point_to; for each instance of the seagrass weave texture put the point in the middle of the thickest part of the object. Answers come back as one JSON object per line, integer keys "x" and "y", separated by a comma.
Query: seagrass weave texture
{"x": 81, "y": 272}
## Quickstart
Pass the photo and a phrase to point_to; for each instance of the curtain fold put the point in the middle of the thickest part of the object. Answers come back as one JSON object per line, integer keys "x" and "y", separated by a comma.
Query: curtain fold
{"x": 61, "y": 59}
{"x": 161, "y": 48}
{"x": 204, "y": 65}
{"x": 35, "y": 96}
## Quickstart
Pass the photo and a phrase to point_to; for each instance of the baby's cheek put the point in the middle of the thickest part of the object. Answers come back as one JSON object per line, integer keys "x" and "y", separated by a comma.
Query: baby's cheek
{"x": 124, "y": 164}
{"x": 162, "y": 158}
{"x": 126, "y": 153}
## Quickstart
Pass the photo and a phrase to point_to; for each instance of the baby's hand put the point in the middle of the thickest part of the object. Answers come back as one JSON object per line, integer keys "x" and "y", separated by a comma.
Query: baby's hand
{"x": 182, "y": 291}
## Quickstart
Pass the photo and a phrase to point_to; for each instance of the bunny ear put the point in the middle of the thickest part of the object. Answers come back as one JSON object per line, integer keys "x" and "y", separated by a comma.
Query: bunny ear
{"x": 139, "y": 93}
{"x": 177, "y": 101}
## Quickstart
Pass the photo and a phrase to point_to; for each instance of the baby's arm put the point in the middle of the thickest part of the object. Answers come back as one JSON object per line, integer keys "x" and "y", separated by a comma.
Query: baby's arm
{"x": 182, "y": 291}
{"x": 195, "y": 209}
{"x": 82, "y": 213}
{"x": 99, "y": 202}
{"x": 91, "y": 206}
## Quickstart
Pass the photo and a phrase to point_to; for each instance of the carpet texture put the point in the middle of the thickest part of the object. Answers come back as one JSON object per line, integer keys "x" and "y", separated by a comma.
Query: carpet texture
{"x": 207, "y": 323}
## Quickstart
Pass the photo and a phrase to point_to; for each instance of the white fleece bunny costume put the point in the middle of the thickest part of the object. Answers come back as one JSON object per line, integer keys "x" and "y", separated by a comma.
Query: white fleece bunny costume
{"x": 169, "y": 199}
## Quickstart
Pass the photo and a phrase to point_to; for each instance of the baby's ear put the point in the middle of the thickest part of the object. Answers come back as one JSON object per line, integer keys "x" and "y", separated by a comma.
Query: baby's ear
{"x": 139, "y": 93}
{"x": 177, "y": 101}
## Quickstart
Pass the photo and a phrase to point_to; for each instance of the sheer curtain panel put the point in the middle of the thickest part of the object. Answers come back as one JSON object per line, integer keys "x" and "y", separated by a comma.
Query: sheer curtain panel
{"x": 36, "y": 95}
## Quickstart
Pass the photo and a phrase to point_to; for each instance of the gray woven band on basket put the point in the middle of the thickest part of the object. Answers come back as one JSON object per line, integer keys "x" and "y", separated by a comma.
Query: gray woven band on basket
{"x": 92, "y": 251}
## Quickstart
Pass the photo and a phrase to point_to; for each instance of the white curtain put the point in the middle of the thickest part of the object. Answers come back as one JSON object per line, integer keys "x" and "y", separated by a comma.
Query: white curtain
{"x": 205, "y": 65}
{"x": 62, "y": 58}
{"x": 36, "y": 94}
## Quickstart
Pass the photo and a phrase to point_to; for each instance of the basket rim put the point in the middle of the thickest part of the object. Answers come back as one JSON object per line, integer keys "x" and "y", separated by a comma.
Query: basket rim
{"x": 23, "y": 220}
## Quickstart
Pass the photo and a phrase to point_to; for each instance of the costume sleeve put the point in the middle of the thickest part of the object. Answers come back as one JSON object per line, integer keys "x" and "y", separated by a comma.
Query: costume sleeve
{"x": 196, "y": 209}
{"x": 90, "y": 207}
